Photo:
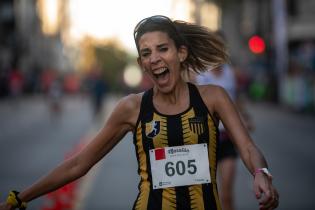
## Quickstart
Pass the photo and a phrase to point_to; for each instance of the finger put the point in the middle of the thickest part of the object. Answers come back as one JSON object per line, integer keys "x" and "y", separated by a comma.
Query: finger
{"x": 274, "y": 206}
{"x": 276, "y": 203}
{"x": 257, "y": 192}
{"x": 267, "y": 197}
{"x": 272, "y": 203}
{"x": 266, "y": 200}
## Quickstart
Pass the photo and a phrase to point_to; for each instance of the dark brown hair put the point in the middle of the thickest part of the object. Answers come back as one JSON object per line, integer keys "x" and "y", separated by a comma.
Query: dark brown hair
{"x": 205, "y": 48}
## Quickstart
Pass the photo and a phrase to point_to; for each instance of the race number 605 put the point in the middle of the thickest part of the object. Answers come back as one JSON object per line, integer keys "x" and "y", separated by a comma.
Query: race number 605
{"x": 180, "y": 167}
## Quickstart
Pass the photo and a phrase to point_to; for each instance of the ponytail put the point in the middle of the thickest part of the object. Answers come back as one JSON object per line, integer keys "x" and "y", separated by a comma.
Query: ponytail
{"x": 205, "y": 48}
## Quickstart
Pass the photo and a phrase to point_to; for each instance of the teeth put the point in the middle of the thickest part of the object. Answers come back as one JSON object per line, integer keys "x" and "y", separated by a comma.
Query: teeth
{"x": 160, "y": 71}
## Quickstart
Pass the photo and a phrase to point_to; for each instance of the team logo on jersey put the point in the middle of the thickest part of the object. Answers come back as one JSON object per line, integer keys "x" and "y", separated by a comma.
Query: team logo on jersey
{"x": 197, "y": 125}
{"x": 152, "y": 128}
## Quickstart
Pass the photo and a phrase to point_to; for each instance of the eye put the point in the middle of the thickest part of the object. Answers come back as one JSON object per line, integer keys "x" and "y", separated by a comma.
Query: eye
{"x": 163, "y": 49}
{"x": 144, "y": 53}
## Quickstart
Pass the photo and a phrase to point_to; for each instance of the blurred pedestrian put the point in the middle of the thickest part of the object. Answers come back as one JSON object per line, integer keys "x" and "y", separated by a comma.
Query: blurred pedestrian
{"x": 55, "y": 93}
{"x": 174, "y": 126}
{"x": 227, "y": 154}
{"x": 225, "y": 77}
{"x": 97, "y": 88}
{"x": 16, "y": 84}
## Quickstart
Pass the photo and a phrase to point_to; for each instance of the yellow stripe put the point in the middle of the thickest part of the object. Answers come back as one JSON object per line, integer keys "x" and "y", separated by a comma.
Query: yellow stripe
{"x": 169, "y": 199}
{"x": 196, "y": 197}
{"x": 142, "y": 202}
{"x": 212, "y": 159}
{"x": 189, "y": 137}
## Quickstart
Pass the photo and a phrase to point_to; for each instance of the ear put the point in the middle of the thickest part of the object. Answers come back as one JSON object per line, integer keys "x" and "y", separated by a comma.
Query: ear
{"x": 182, "y": 53}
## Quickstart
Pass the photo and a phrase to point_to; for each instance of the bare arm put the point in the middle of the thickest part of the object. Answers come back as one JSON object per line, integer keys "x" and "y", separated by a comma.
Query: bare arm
{"x": 231, "y": 119}
{"x": 122, "y": 120}
{"x": 220, "y": 103}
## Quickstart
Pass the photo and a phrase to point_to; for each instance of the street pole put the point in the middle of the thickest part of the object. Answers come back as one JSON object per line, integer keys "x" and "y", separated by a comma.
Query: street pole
{"x": 280, "y": 42}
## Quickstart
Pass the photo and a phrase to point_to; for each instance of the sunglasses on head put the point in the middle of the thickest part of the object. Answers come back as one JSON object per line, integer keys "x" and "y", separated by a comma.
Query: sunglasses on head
{"x": 153, "y": 19}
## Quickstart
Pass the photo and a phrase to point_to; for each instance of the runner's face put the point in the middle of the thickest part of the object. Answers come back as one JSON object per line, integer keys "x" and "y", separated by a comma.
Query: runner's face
{"x": 159, "y": 57}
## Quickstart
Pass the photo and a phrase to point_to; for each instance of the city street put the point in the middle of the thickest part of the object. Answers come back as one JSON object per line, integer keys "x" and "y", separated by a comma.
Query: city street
{"x": 32, "y": 142}
{"x": 65, "y": 64}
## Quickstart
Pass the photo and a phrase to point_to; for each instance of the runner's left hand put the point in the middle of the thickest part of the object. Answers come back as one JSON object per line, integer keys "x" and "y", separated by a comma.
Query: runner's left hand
{"x": 265, "y": 192}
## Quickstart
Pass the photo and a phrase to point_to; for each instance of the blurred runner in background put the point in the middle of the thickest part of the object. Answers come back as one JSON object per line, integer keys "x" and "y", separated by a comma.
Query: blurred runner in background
{"x": 225, "y": 77}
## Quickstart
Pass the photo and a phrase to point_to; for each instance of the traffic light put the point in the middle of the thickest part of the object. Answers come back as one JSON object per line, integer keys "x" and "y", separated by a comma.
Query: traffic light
{"x": 256, "y": 44}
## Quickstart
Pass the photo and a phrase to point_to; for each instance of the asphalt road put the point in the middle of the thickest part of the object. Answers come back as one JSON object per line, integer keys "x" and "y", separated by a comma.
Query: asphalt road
{"x": 32, "y": 142}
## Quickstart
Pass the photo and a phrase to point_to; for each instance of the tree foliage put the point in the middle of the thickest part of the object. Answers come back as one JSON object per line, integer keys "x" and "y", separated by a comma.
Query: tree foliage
{"x": 111, "y": 60}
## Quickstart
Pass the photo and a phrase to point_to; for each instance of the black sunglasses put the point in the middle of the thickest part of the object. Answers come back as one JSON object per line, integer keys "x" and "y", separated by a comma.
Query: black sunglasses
{"x": 154, "y": 19}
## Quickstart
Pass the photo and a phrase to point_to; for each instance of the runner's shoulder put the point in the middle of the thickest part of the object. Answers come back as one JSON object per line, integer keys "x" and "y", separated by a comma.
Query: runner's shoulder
{"x": 130, "y": 104}
{"x": 210, "y": 91}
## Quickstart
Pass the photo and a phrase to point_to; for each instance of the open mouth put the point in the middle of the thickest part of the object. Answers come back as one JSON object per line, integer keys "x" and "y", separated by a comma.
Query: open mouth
{"x": 160, "y": 73}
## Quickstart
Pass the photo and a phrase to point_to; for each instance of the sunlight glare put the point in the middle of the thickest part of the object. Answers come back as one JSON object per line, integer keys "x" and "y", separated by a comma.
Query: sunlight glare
{"x": 48, "y": 11}
{"x": 132, "y": 76}
{"x": 116, "y": 19}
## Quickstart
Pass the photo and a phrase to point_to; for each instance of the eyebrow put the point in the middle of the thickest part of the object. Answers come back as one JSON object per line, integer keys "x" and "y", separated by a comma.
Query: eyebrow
{"x": 162, "y": 45}
{"x": 144, "y": 50}
{"x": 158, "y": 46}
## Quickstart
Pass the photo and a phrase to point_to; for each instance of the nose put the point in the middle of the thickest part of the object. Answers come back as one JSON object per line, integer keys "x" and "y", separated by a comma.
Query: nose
{"x": 155, "y": 57}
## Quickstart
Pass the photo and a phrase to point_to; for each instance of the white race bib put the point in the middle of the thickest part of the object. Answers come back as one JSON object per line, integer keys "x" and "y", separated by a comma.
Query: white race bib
{"x": 180, "y": 166}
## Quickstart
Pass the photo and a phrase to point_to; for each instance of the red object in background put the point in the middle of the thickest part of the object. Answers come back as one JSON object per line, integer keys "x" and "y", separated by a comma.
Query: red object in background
{"x": 47, "y": 78}
{"x": 64, "y": 198}
{"x": 61, "y": 199}
{"x": 16, "y": 82}
{"x": 256, "y": 44}
{"x": 71, "y": 83}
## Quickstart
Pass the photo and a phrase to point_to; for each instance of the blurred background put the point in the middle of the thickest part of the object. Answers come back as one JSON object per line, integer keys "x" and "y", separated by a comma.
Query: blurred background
{"x": 271, "y": 43}
{"x": 64, "y": 64}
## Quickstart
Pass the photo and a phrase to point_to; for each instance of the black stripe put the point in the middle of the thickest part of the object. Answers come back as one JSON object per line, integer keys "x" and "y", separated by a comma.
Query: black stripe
{"x": 182, "y": 198}
{"x": 175, "y": 138}
{"x": 209, "y": 199}
{"x": 155, "y": 199}
{"x": 174, "y": 131}
{"x": 200, "y": 110}
{"x": 196, "y": 100}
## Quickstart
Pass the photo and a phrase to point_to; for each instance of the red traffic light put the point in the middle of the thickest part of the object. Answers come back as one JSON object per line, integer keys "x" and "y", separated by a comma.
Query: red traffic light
{"x": 256, "y": 44}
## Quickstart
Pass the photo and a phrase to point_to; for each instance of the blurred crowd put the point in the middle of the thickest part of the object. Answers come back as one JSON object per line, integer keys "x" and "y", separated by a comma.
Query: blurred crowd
{"x": 298, "y": 88}
{"x": 53, "y": 85}
{"x": 16, "y": 83}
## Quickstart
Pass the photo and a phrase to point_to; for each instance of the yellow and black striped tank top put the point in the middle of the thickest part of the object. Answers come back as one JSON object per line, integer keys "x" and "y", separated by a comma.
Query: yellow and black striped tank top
{"x": 156, "y": 130}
